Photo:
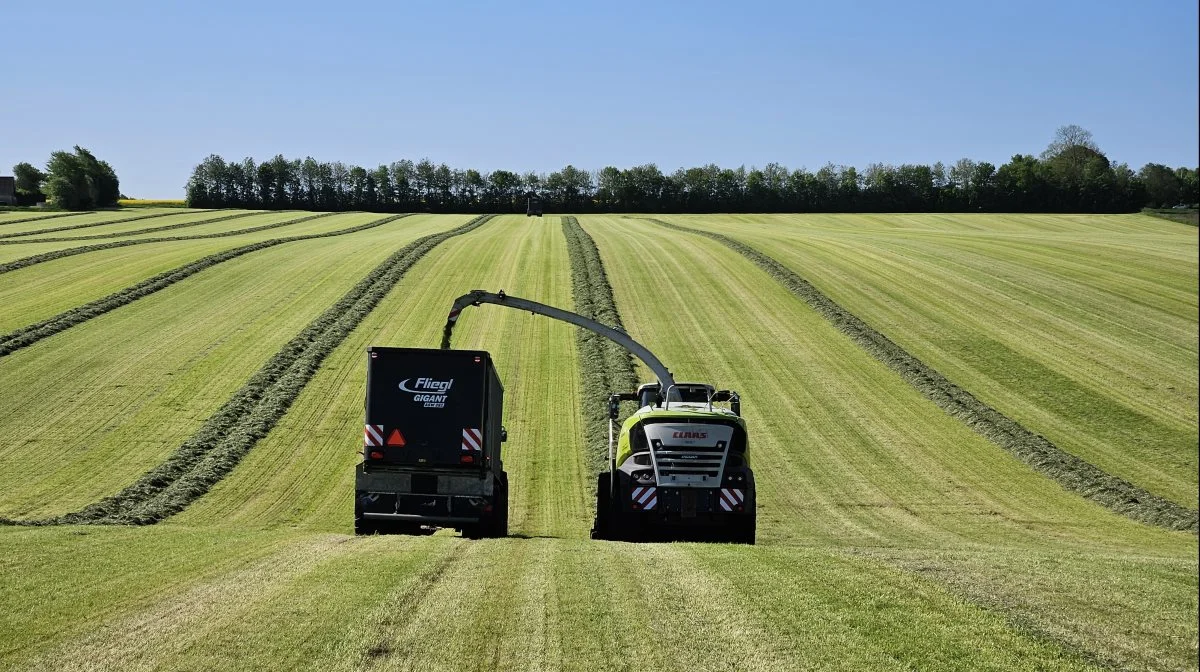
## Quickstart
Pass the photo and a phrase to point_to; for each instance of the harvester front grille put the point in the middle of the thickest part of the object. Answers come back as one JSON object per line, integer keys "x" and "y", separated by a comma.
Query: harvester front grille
{"x": 690, "y": 455}
{"x": 707, "y": 461}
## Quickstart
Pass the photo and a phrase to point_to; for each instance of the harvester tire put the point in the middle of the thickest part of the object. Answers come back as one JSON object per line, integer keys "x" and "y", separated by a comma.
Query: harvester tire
{"x": 744, "y": 533}
{"x": 602, "y": 527}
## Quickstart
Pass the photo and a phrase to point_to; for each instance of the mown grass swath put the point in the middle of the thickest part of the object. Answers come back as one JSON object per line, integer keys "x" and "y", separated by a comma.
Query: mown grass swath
{"x": 92, "y": 224}
{"x": 33, "y": 333}
{"x": 25, "y": 220}
{"x": 1033, "y": 449}
{"x": 221, "y": 442}
{"x": 25, "y": 262}
{"x": 122, "y": 234}
{"x": 605, "y": 367}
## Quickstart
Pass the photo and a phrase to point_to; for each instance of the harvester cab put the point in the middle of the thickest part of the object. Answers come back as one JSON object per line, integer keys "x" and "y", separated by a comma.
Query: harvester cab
{"x": 678, "y": 466}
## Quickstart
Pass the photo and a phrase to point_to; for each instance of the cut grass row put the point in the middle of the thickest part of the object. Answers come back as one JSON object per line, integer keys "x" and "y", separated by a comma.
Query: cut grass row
{"x": 37, "y": 218}
{"x": 605, "y": 367}
{"x": 221, "y": 442}
{"x": 88, "y": 411}
{"x": 101, "y": 218}
{"x": 1082, "y": 329}
{"x": 39, "y": 292}
{"x": 33, "y": 333}
{"x": 122, "y": 231}
{"x": 25, "y": 262}
{"x": 88, "y": 225}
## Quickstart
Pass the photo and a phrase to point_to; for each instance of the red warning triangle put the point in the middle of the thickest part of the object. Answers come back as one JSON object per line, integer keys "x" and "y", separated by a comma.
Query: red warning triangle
{"x": 395, "y": 438}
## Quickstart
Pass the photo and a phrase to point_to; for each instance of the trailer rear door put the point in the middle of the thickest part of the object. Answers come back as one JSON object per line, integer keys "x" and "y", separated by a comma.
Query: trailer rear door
{"x": 425, "y": 407}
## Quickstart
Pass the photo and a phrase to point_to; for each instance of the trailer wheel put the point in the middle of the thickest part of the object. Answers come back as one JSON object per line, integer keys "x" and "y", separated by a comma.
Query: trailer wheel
{"x": 499, "y": 521}
{"x": 361, "y": 525}
{"x": 602, "y": 527}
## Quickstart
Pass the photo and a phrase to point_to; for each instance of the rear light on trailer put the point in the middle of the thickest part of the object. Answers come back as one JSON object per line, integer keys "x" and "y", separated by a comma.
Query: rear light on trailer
{"x": 376, "y": 455}
{"x": 467, "y": 459}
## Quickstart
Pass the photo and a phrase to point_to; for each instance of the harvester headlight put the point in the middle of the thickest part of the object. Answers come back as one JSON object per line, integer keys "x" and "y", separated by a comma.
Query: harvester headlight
{"x": 643, "y": 477}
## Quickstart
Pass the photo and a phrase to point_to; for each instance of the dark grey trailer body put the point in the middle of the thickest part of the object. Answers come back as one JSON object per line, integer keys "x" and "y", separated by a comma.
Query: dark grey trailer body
{"x": 431, "y": 444}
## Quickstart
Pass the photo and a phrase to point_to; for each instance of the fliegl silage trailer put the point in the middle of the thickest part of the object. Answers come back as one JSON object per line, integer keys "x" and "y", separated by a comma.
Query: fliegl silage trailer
{"x": 678, "y": 467}
{"x": 431, "y": 445}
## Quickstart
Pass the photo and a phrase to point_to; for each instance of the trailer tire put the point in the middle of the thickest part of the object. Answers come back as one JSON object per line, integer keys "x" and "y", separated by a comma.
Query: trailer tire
{"x": 499, "y": 522}
{"x": 361, "y": 525}
{"x": 602, "y": 527}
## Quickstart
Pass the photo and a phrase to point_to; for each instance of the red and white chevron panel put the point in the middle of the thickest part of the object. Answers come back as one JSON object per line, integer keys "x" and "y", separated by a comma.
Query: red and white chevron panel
{"x": 472, "y": 440}
{"x": 645, "y": 497}
{"x": 373, "y": 435}
{"x": 731, "y": 498}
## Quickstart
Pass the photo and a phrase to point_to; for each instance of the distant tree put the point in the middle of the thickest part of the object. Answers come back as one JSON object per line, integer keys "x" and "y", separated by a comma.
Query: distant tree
{"x": 1067, "y": 137}
{"x": 30, "y": 182}
{"x": 503, "y": 190}
{"x": 77, "y": 181}
{"x": 1163, "y": 186}
{"x": 1189, "y": 181}
{"x": 473, "y": 187}
{"x": 358, "y": 188}
{"x": 1067, "y": 155}
{"x": 385, "y": 191}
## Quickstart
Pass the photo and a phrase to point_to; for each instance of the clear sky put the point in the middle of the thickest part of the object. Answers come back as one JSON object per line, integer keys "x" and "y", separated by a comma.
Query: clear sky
{"x": 153, "y": 87}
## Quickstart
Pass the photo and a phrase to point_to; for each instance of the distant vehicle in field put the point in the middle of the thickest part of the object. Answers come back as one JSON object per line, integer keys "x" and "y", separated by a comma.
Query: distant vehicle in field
{"x": 533, "y": 206}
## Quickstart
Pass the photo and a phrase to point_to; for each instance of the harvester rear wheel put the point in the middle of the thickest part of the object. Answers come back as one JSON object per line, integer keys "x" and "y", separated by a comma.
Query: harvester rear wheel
{"x": 602, "y": 527}
{"x": 743, "y": 533}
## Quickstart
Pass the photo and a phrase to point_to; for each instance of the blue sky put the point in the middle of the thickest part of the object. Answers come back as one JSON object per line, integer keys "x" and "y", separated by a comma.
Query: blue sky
{"x": 154, "y": 88}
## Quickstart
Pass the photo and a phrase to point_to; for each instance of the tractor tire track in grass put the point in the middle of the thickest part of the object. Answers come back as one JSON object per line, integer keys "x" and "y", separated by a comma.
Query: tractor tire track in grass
{"x": 1033, "y": 449}
{"x": 221, "y": 442}
{"x": 104, "y": 223}
{"x": 605, "y": 367}
{"x": 33, "y": 333}
{"x": 25, "y": 262}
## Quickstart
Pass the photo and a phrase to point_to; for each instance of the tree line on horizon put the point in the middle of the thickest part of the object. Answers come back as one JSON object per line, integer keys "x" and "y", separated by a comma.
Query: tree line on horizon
{"x": 1071, "y": 175}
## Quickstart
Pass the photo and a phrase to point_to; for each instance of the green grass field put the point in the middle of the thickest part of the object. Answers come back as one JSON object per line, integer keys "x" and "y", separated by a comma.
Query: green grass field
{"x": 891, "y": 536}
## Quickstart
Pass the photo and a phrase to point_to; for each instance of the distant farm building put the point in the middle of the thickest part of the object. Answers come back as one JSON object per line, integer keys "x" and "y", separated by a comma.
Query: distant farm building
{"x": 8, "y": 190}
